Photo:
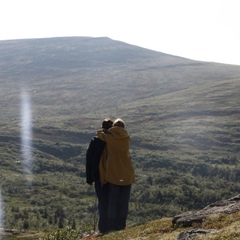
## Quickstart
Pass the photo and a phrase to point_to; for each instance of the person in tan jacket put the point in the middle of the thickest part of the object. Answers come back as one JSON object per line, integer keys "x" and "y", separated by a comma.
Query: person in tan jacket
{"x": 119, "y": 173}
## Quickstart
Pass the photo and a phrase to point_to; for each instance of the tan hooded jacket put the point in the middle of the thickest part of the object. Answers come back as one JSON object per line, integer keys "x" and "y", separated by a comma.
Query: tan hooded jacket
{"x": 118, "y": 166}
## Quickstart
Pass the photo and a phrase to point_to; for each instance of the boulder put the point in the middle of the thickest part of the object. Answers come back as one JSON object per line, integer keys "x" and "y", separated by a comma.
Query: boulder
{"x": 192, "y": 234}
{"x": 228, "y": 206}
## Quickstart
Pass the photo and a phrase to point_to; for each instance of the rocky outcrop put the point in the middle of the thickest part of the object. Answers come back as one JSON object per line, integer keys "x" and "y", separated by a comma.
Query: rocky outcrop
{"x": 187, "y": 219}
{"x": 225, "y": 206}
{"x": 192, "y": 234}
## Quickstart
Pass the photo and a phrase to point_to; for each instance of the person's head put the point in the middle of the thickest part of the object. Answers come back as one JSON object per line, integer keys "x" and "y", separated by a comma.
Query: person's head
{"x": 107, "y": 123}
{"x": 119, "y": 123}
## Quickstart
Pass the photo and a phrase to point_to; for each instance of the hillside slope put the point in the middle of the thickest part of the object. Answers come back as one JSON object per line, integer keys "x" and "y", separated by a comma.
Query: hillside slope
{"x": 182, "y": 115}
{"x": 219, "y": 220}
{"x": 93, "y": 74}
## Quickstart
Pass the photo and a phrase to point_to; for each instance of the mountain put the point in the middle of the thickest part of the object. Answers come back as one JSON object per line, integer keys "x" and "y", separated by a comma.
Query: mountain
{"x": 182, "y": 116}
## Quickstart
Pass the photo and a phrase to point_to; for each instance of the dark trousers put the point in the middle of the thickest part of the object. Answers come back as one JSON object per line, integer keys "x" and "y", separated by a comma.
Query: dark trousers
{"x": 118, "y": 200}
{"x": 102, "y": 195}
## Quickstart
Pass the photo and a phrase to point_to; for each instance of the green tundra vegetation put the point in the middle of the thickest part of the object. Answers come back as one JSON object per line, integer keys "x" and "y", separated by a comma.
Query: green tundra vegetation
{"x": 182, "y": 116}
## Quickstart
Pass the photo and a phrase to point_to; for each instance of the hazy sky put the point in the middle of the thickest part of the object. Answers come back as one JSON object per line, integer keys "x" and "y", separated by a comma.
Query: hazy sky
{"x": 206, "y": 30}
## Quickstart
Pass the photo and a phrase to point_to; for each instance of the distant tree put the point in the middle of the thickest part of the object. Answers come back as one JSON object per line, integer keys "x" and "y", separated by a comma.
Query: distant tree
{"x": 149, "y": 180}
{"x": 50, "y": 220}
{"x": 25, "y": 214}
{"x": 61, "y": 222}
{"x": 45, "y": 213}
{"x": 15, "y": 209}
{"x": 74, "y": 224}
{"x": 55, "y": 218}
{"x": 25, "y": 224}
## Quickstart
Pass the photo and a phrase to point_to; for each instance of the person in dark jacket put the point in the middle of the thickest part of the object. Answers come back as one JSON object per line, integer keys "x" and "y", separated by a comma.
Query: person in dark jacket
{"x": 96, "y": 150}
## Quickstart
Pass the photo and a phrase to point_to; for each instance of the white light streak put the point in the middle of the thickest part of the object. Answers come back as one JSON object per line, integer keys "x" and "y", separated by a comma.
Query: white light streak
{"x": 26, "y": 133}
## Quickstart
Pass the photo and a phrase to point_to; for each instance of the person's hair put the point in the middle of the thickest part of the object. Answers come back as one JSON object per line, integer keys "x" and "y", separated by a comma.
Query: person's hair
{"x": 107, "y": 123}
{"x": 119, "y": 123}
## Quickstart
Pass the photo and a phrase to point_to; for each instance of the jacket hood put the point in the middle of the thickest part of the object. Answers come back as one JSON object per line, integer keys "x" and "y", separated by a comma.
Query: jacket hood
{"x": 118, "y": 132}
